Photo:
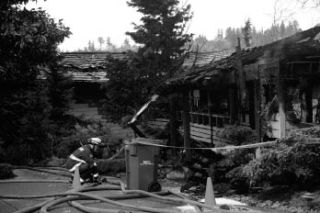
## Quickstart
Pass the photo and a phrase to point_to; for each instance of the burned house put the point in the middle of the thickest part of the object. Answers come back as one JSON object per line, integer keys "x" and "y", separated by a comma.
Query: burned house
{"x": 273, "y": 89}
{"x": 87, "y": 71}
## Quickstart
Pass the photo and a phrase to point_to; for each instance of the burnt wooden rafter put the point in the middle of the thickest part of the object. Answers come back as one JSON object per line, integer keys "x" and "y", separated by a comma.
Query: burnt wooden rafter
{"x": 304, "y": 44}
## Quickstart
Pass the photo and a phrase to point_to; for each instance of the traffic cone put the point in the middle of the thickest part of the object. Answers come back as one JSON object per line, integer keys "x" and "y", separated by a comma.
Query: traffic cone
{"x": 76, "y": 184}
{"x": 210, "y": 200}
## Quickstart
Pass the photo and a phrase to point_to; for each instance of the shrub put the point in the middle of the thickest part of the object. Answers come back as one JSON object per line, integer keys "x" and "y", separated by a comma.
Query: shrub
{"x": 124, "y": 121}
{"x": 296, "y": 164}
{"x": 25, "y": 154}
{"x": 6, "y": 171}
{"x": 237, "y": 180}
{"x": 311, "y": 131}
{"x": 238, "y": 135}
{"x": 233, "y": 159}
{"x": 74, "y": 138}
{"x": 56, "y": 162}
{"x": 154, "y": 132}
{"x": 221, "y": 188}
{"x": 112, "y": 140}
{"x": 112, "y": 144}
{"x": 68, "y": 145}
{"x": 111, "y": 166}
{"x": 290, "y": 162}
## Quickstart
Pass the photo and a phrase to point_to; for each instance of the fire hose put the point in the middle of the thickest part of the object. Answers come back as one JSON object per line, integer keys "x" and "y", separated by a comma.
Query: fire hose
{"x": 50, "y": 170}
{"x": 73, "y": 195}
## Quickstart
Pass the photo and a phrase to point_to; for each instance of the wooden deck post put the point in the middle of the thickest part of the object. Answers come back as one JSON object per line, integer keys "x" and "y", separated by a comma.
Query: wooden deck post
{"x": 240, "y": 82}
{"x": 232, "y": 101}
{"x": 309, "y": 116}
{"x": 281, "y": 98}
{"x": 257, "y": 107}
{"x": 173, "y": 121}
{"x": 210, "y": 115}
{"x": 186, "y": 123}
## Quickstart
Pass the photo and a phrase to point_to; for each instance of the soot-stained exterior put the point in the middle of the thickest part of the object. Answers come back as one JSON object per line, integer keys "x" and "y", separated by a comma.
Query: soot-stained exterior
{"x": 273, "y": 89}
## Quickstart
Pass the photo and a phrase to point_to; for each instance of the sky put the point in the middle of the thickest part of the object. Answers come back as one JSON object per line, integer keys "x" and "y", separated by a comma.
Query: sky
{"x": 89, "y": 19}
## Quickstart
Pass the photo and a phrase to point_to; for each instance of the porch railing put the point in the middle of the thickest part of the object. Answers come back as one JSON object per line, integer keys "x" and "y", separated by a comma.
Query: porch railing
{"x": 200, "y": 128}
{"x": 217, "y": 120}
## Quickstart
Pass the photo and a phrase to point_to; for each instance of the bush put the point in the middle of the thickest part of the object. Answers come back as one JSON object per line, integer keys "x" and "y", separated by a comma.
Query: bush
{"x": 114, "y": 144}
{"x": 68, "y": 145}
{"x": 74, "y": 138}
{"x": 154, "y": 132}
{"x": 311, "y": 131}
{"x": 111, "y": 167}
{"x": 124, "y": 121}
{"x": 25, "y": 154}
{"x": 237, "y": 135}
{"x": 296, "y": 164}
{"x": 112, "y": 140}
{"x": 291, "y": 162}
{"x": 233, "y": 159}
{"x": 56, "y": 162}
{"x": 237, "y": 180}
{"x": 6, "y": 171}
{"x": 227, "y": 168}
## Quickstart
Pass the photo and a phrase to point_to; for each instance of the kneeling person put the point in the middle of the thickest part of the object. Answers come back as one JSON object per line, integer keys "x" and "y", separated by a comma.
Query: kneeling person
{"x": 83, "y": 158}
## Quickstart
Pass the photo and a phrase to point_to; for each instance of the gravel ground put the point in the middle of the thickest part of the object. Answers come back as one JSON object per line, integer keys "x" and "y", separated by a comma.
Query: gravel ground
{"x": 293, "y": 204}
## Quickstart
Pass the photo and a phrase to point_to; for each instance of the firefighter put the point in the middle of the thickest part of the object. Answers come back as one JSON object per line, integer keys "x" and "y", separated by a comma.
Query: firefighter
{"x": 83, "y": 158}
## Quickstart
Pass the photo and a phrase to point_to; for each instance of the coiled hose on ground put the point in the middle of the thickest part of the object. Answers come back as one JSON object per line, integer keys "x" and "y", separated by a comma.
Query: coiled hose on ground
{"x": 73, "y": 195}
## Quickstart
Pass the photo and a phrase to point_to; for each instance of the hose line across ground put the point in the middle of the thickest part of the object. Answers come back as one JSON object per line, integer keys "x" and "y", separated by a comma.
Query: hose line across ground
{"x": 33, "y": 181}
{"x": 73, "y": 195}
{"x": 80, "y": 194}
{"x": 61, "y": 172}
{"x": 45, "y": 208}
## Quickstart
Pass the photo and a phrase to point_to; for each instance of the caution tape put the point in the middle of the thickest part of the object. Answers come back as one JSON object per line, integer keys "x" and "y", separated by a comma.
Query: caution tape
{"x": 143, "y": 141}
{"x": 267, "y": 143}
{"x": 164, "y": 146}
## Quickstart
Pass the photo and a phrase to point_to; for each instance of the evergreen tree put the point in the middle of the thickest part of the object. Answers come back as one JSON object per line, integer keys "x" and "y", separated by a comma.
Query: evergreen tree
{"x": 59, "y": 93}
{"x": 126, "y": 45}
{"x": 249, "y": 33}
{"x": 28, "y": 42}
{"x": 101, "y": 42}
{"x": 199, "y": 43}
{"x": 91, "y": 46}
{"x": 110, "y": 46}
{"x": 220, "y": 34}
{"x": 162, "y": 37}
{"x": 124, "y": 84}
{"x": 282, "y": 30}
{"x": 232, "y": 34}
{"x": 246, "y": 31}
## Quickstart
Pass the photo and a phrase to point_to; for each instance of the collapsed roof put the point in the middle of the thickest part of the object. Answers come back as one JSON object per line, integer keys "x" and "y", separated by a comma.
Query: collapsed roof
{"x": 88, "y": 61}
{"x": 91, "y": 66}
{"x": 87, "y": 66}
{"x": 305, "y": 44}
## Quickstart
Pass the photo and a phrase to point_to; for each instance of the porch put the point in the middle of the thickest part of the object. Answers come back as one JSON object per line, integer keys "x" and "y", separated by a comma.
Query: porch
{"x": 203, "y": 126}
{"x": 272, "y": 89}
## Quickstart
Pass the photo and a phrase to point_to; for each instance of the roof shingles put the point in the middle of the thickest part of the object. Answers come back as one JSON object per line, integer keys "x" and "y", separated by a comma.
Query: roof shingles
{"x": 302, "y": 43}
{"x": 87, "y": 66}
